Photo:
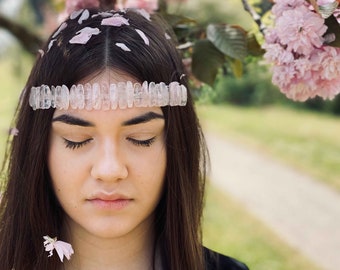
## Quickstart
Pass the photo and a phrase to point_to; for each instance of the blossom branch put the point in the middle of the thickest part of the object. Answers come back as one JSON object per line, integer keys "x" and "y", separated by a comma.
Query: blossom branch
{"x": 256, "y": 17}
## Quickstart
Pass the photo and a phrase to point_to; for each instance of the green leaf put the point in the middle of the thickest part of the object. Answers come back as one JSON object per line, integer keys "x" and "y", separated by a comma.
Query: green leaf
{"x": 229, "y": 39}
{"x": 237, "y": 67}
{"x": 333, "y": 28}
{"x": 253, "y": 47}
{"x": 206, "y": 60}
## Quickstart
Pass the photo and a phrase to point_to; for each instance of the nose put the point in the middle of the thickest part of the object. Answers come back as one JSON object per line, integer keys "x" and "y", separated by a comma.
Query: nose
{"x": 109, "y": 163}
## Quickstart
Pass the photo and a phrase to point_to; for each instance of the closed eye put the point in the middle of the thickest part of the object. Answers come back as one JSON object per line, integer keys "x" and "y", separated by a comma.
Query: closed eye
{"x": 75, "y": 145}
{"x": 144, "y": 143}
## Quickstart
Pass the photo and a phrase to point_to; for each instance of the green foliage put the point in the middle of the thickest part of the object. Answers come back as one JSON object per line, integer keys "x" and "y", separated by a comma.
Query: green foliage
{"x": 253, "y": 88}
{"x": 213, "y": 46}
{"x": 228, "y": 39}
{"x": 206, "y": 61}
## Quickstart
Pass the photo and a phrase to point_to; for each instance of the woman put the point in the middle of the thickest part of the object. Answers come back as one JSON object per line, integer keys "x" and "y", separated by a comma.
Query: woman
{"x": 119, "y": 173}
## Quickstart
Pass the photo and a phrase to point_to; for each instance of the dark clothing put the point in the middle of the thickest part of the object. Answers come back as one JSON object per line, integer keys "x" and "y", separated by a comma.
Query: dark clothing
{"x": 216, "y": 261}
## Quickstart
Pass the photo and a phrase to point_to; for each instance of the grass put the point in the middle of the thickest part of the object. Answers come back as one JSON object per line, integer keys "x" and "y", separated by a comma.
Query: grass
{"x": 305, "y": 140}
{"x": 229, "y": 229}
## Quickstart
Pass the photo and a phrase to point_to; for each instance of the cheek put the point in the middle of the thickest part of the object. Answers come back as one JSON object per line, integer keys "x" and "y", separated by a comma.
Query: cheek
{"x": 154, "y": 168}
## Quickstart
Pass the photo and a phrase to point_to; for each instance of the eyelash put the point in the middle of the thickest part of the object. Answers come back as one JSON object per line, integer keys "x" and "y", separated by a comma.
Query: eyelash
{"x": 75, "y": 145}
{"x": 143, "y": 143}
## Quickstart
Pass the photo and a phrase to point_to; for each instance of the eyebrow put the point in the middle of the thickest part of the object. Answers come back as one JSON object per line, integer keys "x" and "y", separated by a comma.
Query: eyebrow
{"x": 72, "y": 120}
{"x": 147, "y": 117}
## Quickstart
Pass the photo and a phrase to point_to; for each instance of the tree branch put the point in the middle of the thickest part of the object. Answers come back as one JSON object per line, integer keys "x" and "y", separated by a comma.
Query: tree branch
{"x": 29, "y": 40}
{"x": 256, "y": 17}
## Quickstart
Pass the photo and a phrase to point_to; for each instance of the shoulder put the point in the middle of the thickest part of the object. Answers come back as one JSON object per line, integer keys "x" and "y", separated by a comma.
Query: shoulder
{"x": 216, "y": 261}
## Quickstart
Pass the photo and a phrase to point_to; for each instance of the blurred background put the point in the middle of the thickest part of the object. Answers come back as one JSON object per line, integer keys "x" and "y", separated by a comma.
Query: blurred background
{"x": 273, "y": 197}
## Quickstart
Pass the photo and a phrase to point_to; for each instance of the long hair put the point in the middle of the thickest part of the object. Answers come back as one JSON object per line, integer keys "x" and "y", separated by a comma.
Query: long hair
{"x": 29, "y": 208}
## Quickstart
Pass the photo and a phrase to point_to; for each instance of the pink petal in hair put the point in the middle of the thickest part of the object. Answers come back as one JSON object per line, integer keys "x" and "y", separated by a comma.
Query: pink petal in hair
{"x": 104, "y": 14}
{"x": 84, "y": 35}
{"x": 84, "y": 16}
{"x": 50, "y": 44}
{"x": 75, "y": 14}
{"x": 143, "y": 36}
{"x": 123, "y": 47}
{"x": 61, "y": 28}
{"x": 115, "y": 21}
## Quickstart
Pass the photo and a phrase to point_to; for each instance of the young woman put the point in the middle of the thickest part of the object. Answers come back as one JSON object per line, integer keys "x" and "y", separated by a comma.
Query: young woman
{"x": 110, "y": 156}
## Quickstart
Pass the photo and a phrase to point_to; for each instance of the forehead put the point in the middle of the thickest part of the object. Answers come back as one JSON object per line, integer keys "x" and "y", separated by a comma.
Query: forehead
{"x": 108, "y": 76}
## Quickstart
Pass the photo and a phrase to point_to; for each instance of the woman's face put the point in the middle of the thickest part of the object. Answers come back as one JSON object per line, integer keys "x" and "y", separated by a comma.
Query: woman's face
{"x": 108, "y": 168}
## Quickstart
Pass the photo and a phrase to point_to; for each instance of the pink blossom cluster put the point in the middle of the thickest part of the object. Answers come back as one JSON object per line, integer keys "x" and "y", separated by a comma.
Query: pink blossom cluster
{"x": 303, "y": 65}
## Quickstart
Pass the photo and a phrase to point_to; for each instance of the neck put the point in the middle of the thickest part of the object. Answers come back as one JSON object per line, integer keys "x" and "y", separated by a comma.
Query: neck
{"x": 134, "y": 252}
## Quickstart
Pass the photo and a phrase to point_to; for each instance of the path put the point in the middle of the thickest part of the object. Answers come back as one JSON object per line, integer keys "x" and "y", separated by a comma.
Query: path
{"x": 303, "y": 212}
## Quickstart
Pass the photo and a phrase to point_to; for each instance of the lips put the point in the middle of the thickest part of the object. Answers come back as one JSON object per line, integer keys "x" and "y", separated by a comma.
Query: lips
{"x": 110, "y": 201}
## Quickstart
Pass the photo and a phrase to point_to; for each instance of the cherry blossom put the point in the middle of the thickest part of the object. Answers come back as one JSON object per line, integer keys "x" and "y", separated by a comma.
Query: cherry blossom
{"x": 62, "y": 248}
{"x": 303, "y": 65}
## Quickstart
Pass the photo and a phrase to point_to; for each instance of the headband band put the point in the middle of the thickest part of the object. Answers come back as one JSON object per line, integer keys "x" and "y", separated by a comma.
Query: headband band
{"x": 108, "y": 97}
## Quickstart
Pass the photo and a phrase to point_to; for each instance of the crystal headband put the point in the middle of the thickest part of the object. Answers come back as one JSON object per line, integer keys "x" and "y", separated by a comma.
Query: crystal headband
{"x": 104, "y": 96}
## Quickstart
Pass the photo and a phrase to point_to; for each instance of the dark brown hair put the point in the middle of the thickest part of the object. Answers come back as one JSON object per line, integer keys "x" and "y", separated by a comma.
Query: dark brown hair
{"x": 29, "y": 208}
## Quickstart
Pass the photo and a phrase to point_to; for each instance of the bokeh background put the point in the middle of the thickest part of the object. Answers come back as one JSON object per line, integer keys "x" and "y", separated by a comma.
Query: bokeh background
{"x": 276, "y": 151}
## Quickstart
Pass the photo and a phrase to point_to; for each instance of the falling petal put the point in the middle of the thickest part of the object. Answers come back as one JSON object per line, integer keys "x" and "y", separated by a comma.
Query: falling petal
{"x": 115, "y": 21}
{"x": 143, "y": 36}
{"x": 123, "y": 47}
{"x": 167, "y": 36}
{"x": 84, "y": 35}
{"x": 50, "y": 44}
{"x": 61, "y": 28}
{"x": 75, "y": 14}
{"x": 84, "y": 16}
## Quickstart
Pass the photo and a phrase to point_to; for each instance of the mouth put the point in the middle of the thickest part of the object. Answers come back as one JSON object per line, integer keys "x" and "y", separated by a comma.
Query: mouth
{"x": 110, "y": 201}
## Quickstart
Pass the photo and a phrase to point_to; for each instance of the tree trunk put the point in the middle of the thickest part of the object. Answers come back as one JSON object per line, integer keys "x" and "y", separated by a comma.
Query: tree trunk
{"x": 29, "y": 40}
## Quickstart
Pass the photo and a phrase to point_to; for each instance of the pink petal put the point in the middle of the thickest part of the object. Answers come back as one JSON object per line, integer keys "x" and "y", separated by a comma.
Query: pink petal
{"x": 84, "y": 16}
{"x": 61, "y": 28}
{"x": 104, "y": 14}
{"x": 123, "y": 47}
{"x": 84, "y": 35}
{"x": 75, "y": 14}
{"x": 50, "y": 44}
{"x": 115, "y": 21}
{"x": 63, "y": 249}
{"x": 143, "y": 36}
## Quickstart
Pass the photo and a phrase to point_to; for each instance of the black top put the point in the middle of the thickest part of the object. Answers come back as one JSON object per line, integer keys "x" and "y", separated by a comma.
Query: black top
{"x": 216, "y": 261}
